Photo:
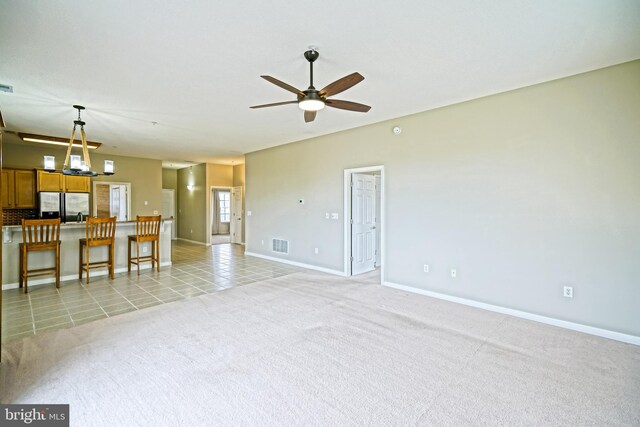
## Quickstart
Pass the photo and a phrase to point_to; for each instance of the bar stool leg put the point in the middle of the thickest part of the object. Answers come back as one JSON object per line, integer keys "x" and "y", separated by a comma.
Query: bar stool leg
{"x": 21, "y": 277}
{"x": 129, "y": 255}
{"x": 25, "y": 268}
{"x": 58, "y": 265}
{"x": 86, "y": 248}
{"x": 111, "y": 262}
{"x": 138, "y": 255}
{"x": 153, "y": 255}
{"x": 80, "y": 260}
{"x": 157, "y": 242}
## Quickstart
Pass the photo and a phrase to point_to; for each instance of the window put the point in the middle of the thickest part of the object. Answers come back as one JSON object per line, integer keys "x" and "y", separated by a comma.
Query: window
{"x": 224, "y": 202}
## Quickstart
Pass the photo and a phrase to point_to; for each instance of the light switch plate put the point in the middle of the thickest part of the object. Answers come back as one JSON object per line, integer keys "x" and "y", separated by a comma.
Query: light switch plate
{"x": 334, "y": 215}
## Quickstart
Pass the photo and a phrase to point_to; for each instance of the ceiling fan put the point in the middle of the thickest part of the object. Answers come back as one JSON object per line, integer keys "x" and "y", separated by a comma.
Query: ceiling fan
{"x": 312, "y": 100}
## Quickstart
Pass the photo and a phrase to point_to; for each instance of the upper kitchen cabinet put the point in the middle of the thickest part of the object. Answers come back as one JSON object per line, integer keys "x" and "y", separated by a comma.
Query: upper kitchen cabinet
{"x": 18, "y": 189}
{"x": 50, "y": 181}
{"x": 77, "y": 184}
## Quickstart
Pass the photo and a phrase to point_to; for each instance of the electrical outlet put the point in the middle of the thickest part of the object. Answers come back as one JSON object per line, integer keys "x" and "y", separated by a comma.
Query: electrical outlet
{"x": 155, "y": 212}
{"x": 567, "y": 292}
{"x": 425, "y": 268}
{"x": 248, "y": 213}
{"x": 144, "y": 249}
{"x": 334, "y": 215}
{"x": 454, "y": 273}
{"x": 315, "y": 251}
{"x": 262, "y": 241}
{"x": 191, "y": 231}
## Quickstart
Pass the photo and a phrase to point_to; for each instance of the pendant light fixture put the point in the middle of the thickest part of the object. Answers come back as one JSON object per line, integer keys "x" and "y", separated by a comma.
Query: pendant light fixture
{"x": 79, "y": 165}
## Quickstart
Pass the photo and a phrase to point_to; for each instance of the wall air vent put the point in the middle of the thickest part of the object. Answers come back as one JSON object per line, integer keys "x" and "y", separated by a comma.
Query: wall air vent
{"x": 6, "y": 88}
{"x": 280, "y": 246}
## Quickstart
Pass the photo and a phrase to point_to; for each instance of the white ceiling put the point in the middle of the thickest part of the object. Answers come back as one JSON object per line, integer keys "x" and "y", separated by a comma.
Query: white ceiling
{"x": 193, "y": 66}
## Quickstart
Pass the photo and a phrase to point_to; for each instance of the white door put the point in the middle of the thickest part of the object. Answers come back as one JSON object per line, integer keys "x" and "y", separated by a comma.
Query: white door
{"x": 378, "y": 217}
{"x": 169, "y": 210}
{"x": 118, "y": 203}
{"x": 236, "y": 215}
{"x": 363, "y": 223}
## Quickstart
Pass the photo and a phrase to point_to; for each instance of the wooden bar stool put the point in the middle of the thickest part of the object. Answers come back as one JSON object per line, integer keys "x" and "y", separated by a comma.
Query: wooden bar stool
{"x": 100, "y": 232}
{"x": 39, "y": 235}
{"x": 147, "y": 230}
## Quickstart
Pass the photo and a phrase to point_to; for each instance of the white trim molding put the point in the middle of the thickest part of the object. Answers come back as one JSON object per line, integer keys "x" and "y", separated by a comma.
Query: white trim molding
{"x": 297, "y": 264}
{"x": 605, "y": 333}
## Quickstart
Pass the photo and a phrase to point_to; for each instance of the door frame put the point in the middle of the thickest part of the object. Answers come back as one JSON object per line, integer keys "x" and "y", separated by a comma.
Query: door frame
{"x": 174, "y": 225}
{"x": 234, "y": 208}
{"x": 212, "y": 210}
{"x": 347, "y": 218}
{"x": 94, "y": 204}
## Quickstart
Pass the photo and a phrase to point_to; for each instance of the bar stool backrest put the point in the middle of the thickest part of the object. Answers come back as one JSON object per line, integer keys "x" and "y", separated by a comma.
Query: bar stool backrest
{"x": 101, "y": 231}
{"x": 147, "y": 227}
{"x": 41, "y": 233}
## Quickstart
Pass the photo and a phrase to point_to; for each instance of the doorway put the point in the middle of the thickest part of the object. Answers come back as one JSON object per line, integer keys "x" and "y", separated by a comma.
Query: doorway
{"x": 112, "y": 199}
{"x": 226, "y": 215}
{"x": 220, "y": 215}
{"x": 364, "y": 220}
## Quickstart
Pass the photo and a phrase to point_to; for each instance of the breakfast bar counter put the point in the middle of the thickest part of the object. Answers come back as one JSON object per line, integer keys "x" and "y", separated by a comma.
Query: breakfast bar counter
{"x": 70, "y": 233}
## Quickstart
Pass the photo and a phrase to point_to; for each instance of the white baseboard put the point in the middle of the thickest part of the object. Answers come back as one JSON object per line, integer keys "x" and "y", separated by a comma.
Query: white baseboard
{"x": 194, "y": 241}
{"x": 605, "y": 333}
{"x": 47, "y": 280}
{"x": 297, "y": 264}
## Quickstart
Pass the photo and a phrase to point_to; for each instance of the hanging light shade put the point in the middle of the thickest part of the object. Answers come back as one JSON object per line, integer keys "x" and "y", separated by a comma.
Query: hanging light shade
{"x": 78, "y": 164}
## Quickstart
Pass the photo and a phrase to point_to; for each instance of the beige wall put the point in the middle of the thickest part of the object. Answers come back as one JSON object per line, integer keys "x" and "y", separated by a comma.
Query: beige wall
{"x": 238, "y": 175}
{"x": 170, "y": 179}
{"x": 522, "y": 192}
{"x": 192, "y": 203}
{"x": 145, "y": 175}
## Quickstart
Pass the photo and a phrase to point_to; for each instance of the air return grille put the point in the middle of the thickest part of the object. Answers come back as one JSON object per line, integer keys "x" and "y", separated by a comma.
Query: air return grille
{"x": 279, "y": 245}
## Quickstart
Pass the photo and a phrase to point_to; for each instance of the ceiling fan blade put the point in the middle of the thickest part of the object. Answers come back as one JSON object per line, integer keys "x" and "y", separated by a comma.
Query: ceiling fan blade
{"x": 309, "y": 116}
{"x": 274, "y": 104}
{"x": 283, "y": 85}
{"x": 347, "y": 105}
{"x": 342, "y": 84}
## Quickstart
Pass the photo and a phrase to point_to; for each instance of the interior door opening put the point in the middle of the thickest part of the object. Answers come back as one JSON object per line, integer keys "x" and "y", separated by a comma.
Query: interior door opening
{"x": 220, "y": 215}
{"x": 226, "y": 215}
{"x": 364, "y": 220}
{"x": 112, "y": 199}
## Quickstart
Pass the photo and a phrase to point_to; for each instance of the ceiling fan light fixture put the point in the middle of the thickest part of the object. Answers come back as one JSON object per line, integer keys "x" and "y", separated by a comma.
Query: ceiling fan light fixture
{"x": 311, "y": 104}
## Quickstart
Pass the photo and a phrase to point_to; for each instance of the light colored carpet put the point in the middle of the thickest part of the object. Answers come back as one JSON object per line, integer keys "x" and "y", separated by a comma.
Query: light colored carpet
{"x": 314, "y": 349}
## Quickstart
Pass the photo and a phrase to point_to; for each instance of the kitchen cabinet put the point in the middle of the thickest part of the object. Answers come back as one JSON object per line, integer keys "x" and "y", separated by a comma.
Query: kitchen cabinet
{"x": 57, "y": 182}
{"x": 77, "y": 184}
{"x": 18, "y": 189}
{"x": 50, "y": 181}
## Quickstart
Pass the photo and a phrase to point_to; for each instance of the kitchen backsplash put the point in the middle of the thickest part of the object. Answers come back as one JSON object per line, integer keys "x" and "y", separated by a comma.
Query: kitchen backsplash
{"x": 15, "y": 216}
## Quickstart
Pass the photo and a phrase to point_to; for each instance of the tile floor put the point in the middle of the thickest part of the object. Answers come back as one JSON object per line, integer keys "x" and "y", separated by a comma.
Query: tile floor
{"x": 196, "y": 270}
